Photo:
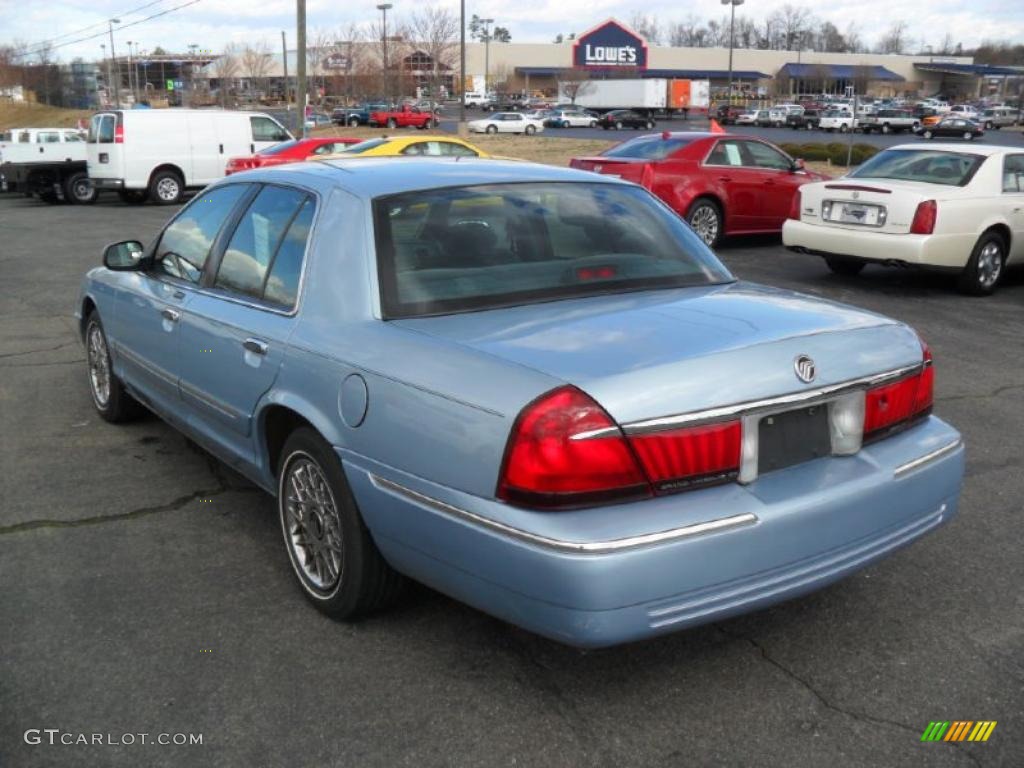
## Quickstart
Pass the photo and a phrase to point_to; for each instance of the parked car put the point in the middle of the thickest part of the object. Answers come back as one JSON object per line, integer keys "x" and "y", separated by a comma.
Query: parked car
{"x": 889, "y": 121}
{"x": 397, "y": 146}
{"x": 965, "y": 111}
{"x": 289, "y": 152}
{"x": 571, "y": 118}
{"x": 837, "y": 120}
{"x": 998, "y": 117}
{"x": 404, "y": 117}
{"x": 722, "y": 184}
{"x": 159, "y": 153}
{"x": 530, "y": 388}
{"x": 318, "y": 120}
{"x": 727, "y": 113}
{"x": 806, "y": 120}
{"x": 507, "y": 122}
{"x": 942, "y": 207}
{"x": 763, "y": 118}
{"x": 354, "y": 116}
{"x": 747, "y": 118}
{"x": 952, "y": 127}
{"x": 476, "y": 99}
{"x": 618, "y": 119}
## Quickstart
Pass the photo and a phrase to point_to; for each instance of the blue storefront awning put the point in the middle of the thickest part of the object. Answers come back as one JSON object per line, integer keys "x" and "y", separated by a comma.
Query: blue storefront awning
{"x": 687, "y": 74}
{"x": 979, "y": 70}
{"x": 837, "y": 72}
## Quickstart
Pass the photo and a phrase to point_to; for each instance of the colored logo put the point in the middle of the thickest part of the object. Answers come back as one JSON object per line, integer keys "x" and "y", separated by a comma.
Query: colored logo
{"x": 610, "y": 44}
{"x": 804, "y": 367}
{"x": 958, "y": 730}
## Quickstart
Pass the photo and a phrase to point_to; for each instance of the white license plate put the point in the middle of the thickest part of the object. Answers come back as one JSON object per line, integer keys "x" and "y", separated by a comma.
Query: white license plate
{"x": 855, "y": 213}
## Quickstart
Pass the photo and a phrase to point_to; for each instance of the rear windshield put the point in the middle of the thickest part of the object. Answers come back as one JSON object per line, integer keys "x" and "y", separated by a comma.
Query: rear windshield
{"x": 363, "y": 146}
{"x": 278, "y": 148}
{"x": 468, "y": 248}
{"x": 649, "y": 147}
{"x": 954, "y": 169}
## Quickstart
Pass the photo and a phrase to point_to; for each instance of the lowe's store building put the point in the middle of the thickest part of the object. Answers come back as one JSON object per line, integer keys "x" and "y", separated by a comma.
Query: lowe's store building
{"x": 612, "y": 49}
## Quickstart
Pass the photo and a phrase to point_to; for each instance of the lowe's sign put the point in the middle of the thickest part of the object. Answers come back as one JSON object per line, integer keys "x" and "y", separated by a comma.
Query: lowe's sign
{"x": 610, "y": 44}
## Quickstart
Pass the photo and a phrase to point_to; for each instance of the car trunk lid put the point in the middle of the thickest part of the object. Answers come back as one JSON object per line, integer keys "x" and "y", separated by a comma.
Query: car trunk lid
{"x": 637, "y": 170}
{"x": 865, "y": 204}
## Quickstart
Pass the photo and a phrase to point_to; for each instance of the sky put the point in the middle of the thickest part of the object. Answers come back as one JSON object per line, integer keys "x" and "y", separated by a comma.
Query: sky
{"x": 211, "y": 24}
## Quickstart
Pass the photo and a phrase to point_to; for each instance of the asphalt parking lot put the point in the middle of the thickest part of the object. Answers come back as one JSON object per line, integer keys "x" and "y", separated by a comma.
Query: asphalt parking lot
{"x": 146, "y": 589}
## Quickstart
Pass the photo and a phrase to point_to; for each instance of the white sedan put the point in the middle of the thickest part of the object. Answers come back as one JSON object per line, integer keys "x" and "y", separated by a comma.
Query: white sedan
{"x": 943, "y": 206}
{"x": 507, "y": 122}
{"x": 572, "y": 118}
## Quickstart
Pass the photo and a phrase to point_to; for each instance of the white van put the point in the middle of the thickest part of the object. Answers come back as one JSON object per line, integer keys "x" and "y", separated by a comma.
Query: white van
{"x": 159, "y": 153}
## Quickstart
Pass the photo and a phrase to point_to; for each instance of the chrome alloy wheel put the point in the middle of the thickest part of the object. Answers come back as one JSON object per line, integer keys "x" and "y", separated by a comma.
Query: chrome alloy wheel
{"x": 99, "y": 365}
{"x": 311, "y": 522}
{"x": 990, "y": 265}
{"x": 168, "y": 189}
{"x": 704, "y": 222}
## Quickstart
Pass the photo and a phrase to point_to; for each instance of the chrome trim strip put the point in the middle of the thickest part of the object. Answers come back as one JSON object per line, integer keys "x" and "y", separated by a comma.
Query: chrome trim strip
{"x": 804, "y": 397}
{"x": 938, "y": 453}
{"x": 151, "y": 368}
{"x": 561, "y": 545}
{"x": 209, "y": 401}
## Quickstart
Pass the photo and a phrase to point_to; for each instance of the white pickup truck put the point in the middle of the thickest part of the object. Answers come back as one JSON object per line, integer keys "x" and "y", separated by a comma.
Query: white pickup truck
{"x": 837, "y": 120}
{"x": 48, "y": 162}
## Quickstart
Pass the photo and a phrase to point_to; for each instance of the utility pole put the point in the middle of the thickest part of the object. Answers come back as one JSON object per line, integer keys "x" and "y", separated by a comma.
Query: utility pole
{"x": 300, "y": 67}
{"x": 131, "y": 82}
{"x": 384, "y": 8}
{"x": 110, "y": 85}
{"x": 462, "y": 67}
{"x": 732, "y": 25}
{"x": 486, "y": 23}
{"x": 284, "y": 61}
{"x": 113, "y": 60}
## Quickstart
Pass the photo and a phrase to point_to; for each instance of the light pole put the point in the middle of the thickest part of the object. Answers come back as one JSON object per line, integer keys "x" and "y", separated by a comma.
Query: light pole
{"x": 486, "y": 24}
{"x": 113, "y": 60}
{"x": 462, "y": 66}
{"x": 384, "y": 8}
{"x": 106, "y": 61}
{"x": 191, "y": 75}
{"x": 131, "y": 80}
{"x": 732, "y": 24}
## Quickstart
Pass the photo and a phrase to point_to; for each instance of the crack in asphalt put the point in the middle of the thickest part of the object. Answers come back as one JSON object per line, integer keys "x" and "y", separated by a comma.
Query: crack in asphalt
{"x": 994, "y": 393}
{"x": 806, "y": 685}
{"x": 41, "y": 365}
{"x": 37, "y": 351}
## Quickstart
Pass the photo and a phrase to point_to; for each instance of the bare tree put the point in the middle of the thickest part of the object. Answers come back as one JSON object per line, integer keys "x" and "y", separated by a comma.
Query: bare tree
{"x": 255, "y": 61}
{"x": 895, "y": 40}
{"x": 862, "y": 74}
{"x": 574, "y": 83}
{"x": 225, "y": 68}
{"x": 646, "y": 26}
{"x": 346, "y": 46}
{"x": 830, "y": 39}
{"x": 435, "y": 31}
{"x": 789, "y": 22}
{"x": 854, "y": 41}
{"x": 320, "y": 44}
{"x": 947, "y": 46}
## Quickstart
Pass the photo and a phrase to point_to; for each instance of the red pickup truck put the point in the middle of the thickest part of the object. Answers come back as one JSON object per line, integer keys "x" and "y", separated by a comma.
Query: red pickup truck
{"x": 406, "y": 117}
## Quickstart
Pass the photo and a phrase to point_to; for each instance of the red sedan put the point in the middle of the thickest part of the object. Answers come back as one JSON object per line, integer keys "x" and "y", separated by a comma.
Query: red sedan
{"x": 721, "y": 183}
{"x": 294, "y": 151}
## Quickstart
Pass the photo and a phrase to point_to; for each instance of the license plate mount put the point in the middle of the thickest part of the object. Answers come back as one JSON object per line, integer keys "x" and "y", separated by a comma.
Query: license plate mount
{"x": 793, "y": 437}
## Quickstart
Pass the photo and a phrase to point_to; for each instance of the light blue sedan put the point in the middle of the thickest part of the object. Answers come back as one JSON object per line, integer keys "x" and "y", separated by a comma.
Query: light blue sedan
{"x": 531, "y": 388}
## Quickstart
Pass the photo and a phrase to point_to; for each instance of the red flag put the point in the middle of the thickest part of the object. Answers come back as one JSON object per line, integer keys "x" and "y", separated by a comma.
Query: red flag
{"x": 716, "y": 128}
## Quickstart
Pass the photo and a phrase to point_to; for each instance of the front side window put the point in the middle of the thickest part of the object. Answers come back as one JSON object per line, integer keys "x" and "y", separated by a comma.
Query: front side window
{"x": 725, "y": 153}
{"x": 256, "y": 239}
{"x": 48, "y": 137}
{"x": 185, "y": 244}
{"x": 72, "y": 136}
{"x": 468, "y": 248}
{"x": 450, "y": 149}
{"x": 1013, "y": 173}
{"x": 265, "y": 129}
{"x": 955, "y": 169}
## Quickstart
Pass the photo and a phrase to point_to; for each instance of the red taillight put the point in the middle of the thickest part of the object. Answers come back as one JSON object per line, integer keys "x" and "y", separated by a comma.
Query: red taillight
{"x": 119, "y": 134}
{"x": 794, "y": 206}
{"x": 681, "y": 458}
{"x": 892, "y": 405}
{"x": 551, "y": 462}
{"x": 924, "y": 218}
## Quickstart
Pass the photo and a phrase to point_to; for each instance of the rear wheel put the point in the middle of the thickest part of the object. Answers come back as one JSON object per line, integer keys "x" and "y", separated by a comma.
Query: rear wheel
{"x": 166, "y": 188}
{"x": 565, "y": 123}
{"x": 650, "y": 125}
{"x": 618, "y": 125}
{"x": 928, "y": 134}
{"x": 112, "y": 401}
{"x": 988, "y": 125}
{"x": 392, "y": 123}
{"x": 843, "y": 129}
{"x": 353, "y": 122}
{"x": 530, "y": 130}
{"x": 841, "y": 266}
{"x": 79, "y": 190}
{"x": 968, "y": 135}
{"x": 492, "y": 129}
{"x": 338, "y": 566}
{"x": 885, "y": 128}
{"x": 985, "y": 267}
{"x": 705, "y": 218}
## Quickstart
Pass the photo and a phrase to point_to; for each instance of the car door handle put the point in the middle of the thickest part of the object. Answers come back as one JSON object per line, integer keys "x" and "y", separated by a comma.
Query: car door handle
{"x": 222, "y": 149}
{"x": 725, "y": 178}
{"x": 256, "y": 346}
{"x": 170, "y": 315}
{"x": 252, "y": 149}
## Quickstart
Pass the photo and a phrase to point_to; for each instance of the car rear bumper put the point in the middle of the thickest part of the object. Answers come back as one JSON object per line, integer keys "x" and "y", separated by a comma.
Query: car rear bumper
{"x": 939, "y": 251}
{"x": 615, "y": 574}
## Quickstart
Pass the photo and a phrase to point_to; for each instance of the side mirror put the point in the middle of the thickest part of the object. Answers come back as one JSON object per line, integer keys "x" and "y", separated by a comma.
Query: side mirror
{"x": 798, "y": 164}
{"x": 123, "y": 256}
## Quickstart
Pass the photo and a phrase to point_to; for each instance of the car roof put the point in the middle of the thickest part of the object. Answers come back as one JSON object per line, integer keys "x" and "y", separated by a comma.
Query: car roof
{"x": 378, "y": 176}
{"x": 970, "y": 149}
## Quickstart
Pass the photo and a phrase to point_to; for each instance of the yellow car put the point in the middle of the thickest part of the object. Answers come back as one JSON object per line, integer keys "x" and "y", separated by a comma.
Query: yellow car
{"x": 395, "y": 146}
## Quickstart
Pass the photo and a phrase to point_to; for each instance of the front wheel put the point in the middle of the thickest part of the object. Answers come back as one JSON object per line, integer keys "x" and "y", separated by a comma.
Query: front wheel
{"x": 988, "y": 125}
{"x": 530, "y": 130}
{"x": 166, "y": 188}
{"x": 392, "y": 123}
{"x": 353, "y": 122}
{"x": 843, "y": 129}
{"x": 968, "y": 136}
{"x": 841, "y": 266}
{"x": 618, "y": 125}
{"x": 650, "y": 125}
{"x": 928, "y": 134}
{"x": 112, "y": 401}
{"x": 79, "y": 190}
{"x": 593, "y": 123}
{"x": 330, "y": 549}
{"x": 985, "y": 267}
{"x": 565, "y": 123}
{"x": 705, "y": 219}
{"x": 492, "y": 129}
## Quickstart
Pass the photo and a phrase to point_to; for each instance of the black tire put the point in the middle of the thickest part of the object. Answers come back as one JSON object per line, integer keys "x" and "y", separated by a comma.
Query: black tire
{"x": 166, "y": 188}
{"x": 650, "y": 125}
{"x": 364, "y": 583}
{"x": 353, "y": 122}
{"x": 118, "y": 406}
{"x": 492, "y": 129}
{"x": 392, "y": 123}
{"x": 841, "y": 266}
{"x": 988, "y": 125}
{"x": 132, "y": 196}
{"x": 618, "y": 125}
{"x": 968, "y": 136}
{"x": 593, "y": 123}
{"x": 79, "y": 190}
{"x": 928, "y": 134}
{"x": 699, "y": 213}
{"x": 843, "y": 128}
{"x": 530, "y": 130}
{"x": 980, "y": 277}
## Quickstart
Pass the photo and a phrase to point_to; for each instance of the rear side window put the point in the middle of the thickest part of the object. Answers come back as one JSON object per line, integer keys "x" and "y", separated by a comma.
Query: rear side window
{"x": 264, "y": 231}
{"x": 186, "y": 243}
{"x": 282, "y": 286}
{"x": 101, "y": 129}
{"x": 1013, "y": 173}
